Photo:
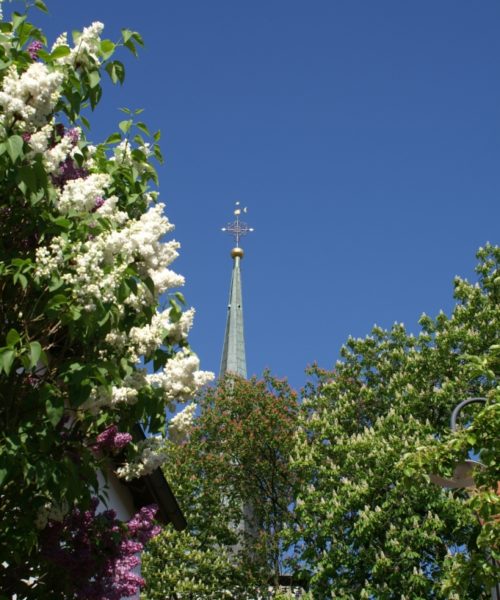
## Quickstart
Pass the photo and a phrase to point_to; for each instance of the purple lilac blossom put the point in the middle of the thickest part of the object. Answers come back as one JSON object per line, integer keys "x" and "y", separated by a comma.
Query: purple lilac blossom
{"x": 112, "y": 439}
{"x": 68, "y": 170}
{"x": 34, "y": 48}
{"x": 97, "y": 553}
{"x": 73, "y": 135}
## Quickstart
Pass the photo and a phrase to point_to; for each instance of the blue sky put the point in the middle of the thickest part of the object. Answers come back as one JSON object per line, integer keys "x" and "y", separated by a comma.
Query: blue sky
{"x": 363, "y": 137}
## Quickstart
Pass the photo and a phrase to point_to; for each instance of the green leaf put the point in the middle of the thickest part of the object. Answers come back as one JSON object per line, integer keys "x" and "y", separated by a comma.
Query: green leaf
{"x": 157, "y": 153}
{"x": 94, "y": 79}
{"x": 54, "y": 412}
{"x": 131, "y": 46}
{"x": 471, "y": 438}
{"x": 19, "y": 277}
{"x": 143, "y": 128}
{"x": 14, "y": 147}
{"x": 18, "y": 20}
{"x": 13, "y": 337}
{"x": 3, "y": 475}
{"x": 107, "y": 48}
{"x": 175, "y": 311}
{"x": 62, "y": 222}
{"x": 56, "y": 301}
{"x": 125, "y": 125}
{"x": 138, "y": 38}
{"x": 126, "y": 34}
{"x": 85, "y": 121}
{"x": 114, "y": 138}
{"x": 149, "y": 283}
{"x": 41, "y": 6}
{"x": 157, "y": 136}
{"x": 180, "y": 297}
{"x": 7, "y": 359}
{"x": 35, "y": 353}
{"x": 60, "y": 52}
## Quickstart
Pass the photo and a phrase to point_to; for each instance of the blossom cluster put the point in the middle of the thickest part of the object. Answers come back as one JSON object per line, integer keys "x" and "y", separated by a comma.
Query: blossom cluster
{"x": 151, "y": 455}
{"x": 141, "y": 341}
{"x": 29, "y": 98}
{"x": 179, "y": 425}
{"x": 111, "y": 439}
{"x": 95, "y": 268}
{"x": 181, "y": 377}
{"x": 96, "y": 553}
{"x": 179, "y": 381}
{"x": 86, "y": 49}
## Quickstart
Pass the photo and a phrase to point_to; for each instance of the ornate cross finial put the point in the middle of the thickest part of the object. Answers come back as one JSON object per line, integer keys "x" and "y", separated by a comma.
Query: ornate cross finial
{"x": 238, "y": 228}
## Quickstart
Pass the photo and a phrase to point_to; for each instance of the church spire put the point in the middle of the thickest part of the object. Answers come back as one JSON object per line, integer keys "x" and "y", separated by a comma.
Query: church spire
{"x": 233, "y": 352}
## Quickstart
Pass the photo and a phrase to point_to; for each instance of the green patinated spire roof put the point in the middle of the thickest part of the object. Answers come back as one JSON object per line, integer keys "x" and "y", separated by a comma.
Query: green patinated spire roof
{"x": 233, "y": 352}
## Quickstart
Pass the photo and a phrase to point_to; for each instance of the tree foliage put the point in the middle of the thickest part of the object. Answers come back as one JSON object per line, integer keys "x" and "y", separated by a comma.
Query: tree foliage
{"x": 232, "y": 476}
{"x": 86, "y": 293}
{"x": 370, "y": 524}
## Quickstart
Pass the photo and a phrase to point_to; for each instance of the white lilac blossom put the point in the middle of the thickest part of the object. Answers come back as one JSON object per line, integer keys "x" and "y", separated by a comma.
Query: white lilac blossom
{"x": 179, "y": 381}
{"x": 56, "y": 155}
{"x": 97, "y": 266}
{"x": 39, "y": 141}
{"x": 181, "y": 377}
{"x": 50, "y": 259}
{"x": 86, "y": 49}
{"x": 100, "y": 397}
{"x": 150, "y": 456}
{"x": 179, "y": 425}
{"x": 143, "y": 340}
{"x": 81, "y": 194}
{"x": 29, "y": 98}
{"x": 141, "y": 240}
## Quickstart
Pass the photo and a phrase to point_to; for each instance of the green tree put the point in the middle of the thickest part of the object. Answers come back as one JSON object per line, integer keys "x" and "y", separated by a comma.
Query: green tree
{"x": 86, "y": 294}
{"x": 232, "y": 476}
{"x": 371, "y": 525}
{"x": 478, "y": 436}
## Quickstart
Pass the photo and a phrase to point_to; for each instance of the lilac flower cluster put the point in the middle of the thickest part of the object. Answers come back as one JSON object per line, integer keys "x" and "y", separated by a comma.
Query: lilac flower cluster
{"x": 73, "y": 134}
{"x": 34, "y": 48}
{"x": 141, "y": 524}
{"x": 97, "y": 553}
{"x": 111, "y": 439}
{"x": 68, "y": 170}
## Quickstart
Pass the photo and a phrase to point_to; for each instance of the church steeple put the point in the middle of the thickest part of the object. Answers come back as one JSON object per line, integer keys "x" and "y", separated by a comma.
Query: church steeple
{"x": 233, "y": 352}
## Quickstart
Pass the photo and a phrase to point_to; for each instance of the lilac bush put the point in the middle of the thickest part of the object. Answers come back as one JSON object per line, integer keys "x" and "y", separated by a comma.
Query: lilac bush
{"x": 94, "y": 554}
{"x": 93, "y": 329}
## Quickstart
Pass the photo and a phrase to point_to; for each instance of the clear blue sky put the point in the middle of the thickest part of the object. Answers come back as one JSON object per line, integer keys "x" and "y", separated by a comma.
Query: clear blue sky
{"x": 363, "y": 136}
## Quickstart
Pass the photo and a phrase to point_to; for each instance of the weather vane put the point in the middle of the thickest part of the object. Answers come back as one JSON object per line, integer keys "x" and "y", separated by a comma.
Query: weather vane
{"x": 238, "y": 228}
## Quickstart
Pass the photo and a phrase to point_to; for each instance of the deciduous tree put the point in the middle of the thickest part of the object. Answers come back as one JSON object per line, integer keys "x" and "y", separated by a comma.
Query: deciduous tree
{"x": 371, "y": 525}
{"x": 232, "y": 475}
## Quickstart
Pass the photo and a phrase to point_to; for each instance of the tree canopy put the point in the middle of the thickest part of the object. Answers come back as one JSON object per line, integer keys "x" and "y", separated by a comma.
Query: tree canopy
{"x": 232, "y": 476}
{"x": 370, "y": 523}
